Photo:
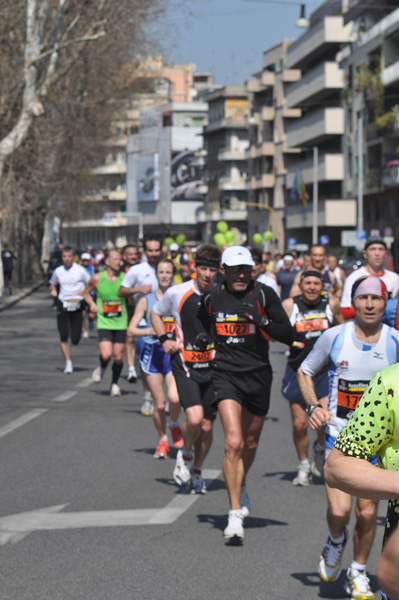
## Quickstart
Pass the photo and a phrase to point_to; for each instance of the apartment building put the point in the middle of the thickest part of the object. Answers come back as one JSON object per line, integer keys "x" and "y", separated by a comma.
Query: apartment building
{"x": 371, "y": 65}
{"x": 103, "y": 219}
{"x": 225, "y": 144}
{"x": 320, "y": 130}
{"x": 268, "y": 154}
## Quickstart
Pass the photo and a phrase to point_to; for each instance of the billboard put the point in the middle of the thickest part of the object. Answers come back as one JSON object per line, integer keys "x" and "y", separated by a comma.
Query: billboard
{"x": 186, "y": 176}
{"x": 148, "y": 178}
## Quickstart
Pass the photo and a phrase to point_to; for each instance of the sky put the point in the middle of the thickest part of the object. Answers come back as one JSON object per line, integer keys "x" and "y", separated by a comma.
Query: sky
{"x": 228, "y": 37}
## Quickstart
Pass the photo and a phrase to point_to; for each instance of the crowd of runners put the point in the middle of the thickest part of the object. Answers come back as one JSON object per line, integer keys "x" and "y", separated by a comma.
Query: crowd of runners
{"x": 194, "y": 327}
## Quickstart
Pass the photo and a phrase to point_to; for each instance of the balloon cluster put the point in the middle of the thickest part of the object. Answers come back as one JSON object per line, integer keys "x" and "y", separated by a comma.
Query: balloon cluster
{"x": 257, "y": 237}
{"x": 180, "y": 239}
{"x": 224, "y": 235}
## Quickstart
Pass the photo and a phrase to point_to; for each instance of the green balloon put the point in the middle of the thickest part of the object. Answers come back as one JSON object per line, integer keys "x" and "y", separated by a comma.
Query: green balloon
{"x": 180, "y": 239}
{"x": 229, "y": 235}
{"x": 168, "y": 241}
{"x": 257, "y": 238}
{"x": 222, "y": 226}
{"x": 268, "y": 236}
{"x": 220, "y": 239}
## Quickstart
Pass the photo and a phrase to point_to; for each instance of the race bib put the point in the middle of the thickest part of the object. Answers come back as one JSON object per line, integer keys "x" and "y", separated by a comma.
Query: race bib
{"x": 169, "y": 325}
{"x": 112, "y": 308}
{"x": 311, "y": 325}
{"x": 349, "y": 394}
{"x": 194, "y": 356}
{"x": 235, "y": 329}
{"x": 71, "y": 305}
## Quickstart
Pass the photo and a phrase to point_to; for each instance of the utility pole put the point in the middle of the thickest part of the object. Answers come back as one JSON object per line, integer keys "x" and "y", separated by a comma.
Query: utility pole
{"x": 315, "y": 231}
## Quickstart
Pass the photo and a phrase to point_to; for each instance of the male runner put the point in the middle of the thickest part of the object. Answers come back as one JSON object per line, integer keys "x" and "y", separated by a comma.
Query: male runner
{"x": 310, "y": 314}
{"x": 267, "y": 278}
{"x": 191, "y": 361}
{"x": 130, "y": 256}
{"x": 354, "y": 352}
{"x": 243, "y": 314}
{"x": 319, "y": 261}
{"x": 71, "y": 279}
{"x": 111, "y": 318}
{"x": 374, "y": 253}
{"x": 141, "y": 278}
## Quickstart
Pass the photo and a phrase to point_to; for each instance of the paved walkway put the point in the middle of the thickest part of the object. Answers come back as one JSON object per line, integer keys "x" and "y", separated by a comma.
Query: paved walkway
{"x": 21, "y": 292}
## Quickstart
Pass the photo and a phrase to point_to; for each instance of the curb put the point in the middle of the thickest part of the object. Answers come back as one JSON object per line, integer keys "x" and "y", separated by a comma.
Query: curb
{"x": 22, "y": 295}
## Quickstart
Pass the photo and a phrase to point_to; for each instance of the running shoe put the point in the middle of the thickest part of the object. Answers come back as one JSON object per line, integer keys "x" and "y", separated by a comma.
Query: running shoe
{"x": 97, "y": 375}
{"x": 132, "y": 374}
{"x": 181, "y": 472}
{"x": 330, "y": 559}
{"x": 85, "y": 335}
{"x": 115, "y": 390}
{"x": 357, "y": 585}
{"x": 176, "y": 435}
{"x": 147, "y": 408}
{"x": 244, "y": 502}
{"x": 303, "y": 477}
{"x": 318, "y": 460}
{"x": 162, "y": 449}
{"x": 197, "y": 484}
{"x": 68, "y": 367}
{"x": 234, "y": 531}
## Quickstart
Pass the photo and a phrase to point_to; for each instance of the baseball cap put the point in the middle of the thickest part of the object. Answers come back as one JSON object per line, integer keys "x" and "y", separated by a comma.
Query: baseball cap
{"x": 174, "y": 247}
{"x": 375, "y": 239}
{"x": 237, "y": 255}
{"x": 85, "y": 256}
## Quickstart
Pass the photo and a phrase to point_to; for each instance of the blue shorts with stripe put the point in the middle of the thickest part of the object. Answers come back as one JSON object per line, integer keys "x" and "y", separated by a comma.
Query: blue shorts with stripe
{"x": 154, "y": 360}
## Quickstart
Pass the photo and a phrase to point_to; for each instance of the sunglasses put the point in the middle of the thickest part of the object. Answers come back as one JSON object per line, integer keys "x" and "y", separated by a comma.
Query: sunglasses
{"x": 238, "y": 268}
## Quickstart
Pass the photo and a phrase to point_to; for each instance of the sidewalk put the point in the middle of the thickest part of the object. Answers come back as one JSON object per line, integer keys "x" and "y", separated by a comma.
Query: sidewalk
{"x": 20, "y": 292}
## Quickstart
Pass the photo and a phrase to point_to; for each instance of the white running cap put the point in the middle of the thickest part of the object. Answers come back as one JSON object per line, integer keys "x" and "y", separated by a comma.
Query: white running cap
{"x": 237, "y": 255}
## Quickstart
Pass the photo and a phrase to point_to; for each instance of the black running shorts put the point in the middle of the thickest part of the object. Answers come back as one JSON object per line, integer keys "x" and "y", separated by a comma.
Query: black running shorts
{"x": 116, "y": 336}
{"x": 192, "y": 393}
{"x": 250, "y": 389}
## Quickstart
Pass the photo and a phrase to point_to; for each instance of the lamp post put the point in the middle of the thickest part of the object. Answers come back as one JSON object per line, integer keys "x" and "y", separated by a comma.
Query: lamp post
{"x": 315, "y": 228}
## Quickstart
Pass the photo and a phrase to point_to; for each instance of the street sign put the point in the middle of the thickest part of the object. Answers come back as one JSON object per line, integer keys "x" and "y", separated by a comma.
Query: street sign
{"x": 349, "y": 239}
{"x": 324, "y": 240}
{"x": 291, "y": 242}
{"x": 361, "y": 234}
{"x": 374, "y": 233}
{"x": 388, "y": 232}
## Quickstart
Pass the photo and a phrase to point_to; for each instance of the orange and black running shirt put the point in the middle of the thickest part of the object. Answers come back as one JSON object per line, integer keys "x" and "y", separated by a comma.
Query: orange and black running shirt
{"x": 183, "y": 302}
{"x": 309, "y": 322}
{"x": 240, "y": 345}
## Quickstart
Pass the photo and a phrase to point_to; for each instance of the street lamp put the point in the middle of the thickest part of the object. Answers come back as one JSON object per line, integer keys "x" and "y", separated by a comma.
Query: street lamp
{"x": 302, "y": 22}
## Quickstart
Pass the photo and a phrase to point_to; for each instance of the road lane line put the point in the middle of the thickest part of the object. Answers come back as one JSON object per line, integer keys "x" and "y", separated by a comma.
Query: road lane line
{"x": 85, "y": 383}
{"x": 64, "y": 397}
{"x": 29, "y": 416}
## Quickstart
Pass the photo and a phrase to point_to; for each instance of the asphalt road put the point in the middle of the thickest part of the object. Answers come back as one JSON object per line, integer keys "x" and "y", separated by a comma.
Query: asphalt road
{"x": 87, "y": 513}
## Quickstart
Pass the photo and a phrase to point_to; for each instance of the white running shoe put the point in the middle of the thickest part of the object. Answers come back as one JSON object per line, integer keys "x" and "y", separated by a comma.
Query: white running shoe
{"x": 234, "y": 531}
{"x": 357, "y": 585}
{"x": 330, "y": 559}
{"x": 318, "y": 460}
{"x": 132, "y": 374}
{"x": 85, "y": 335}
{"x": 197, "y": 484}
{"x": 181, "y": 472}
{"x": 303, "y": 477}
{"x": 115, "y": 390}
{"x": 68, "y": 367}
{"x": 97, "y": 375}
{"x": 244, "y": 502}
{"x": 147, "y": 408}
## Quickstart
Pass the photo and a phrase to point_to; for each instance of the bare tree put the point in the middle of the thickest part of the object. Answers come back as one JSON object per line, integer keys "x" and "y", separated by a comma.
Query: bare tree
{"x": 62, "y": 72}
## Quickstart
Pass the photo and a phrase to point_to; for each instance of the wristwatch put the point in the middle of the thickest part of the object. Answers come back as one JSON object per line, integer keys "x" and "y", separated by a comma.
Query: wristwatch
{"x": 311, "y": 407}
{"x": 264, "y": 322}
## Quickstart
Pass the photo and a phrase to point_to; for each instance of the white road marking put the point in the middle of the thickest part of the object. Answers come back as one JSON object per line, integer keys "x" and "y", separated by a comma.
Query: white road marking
{"x": 29, "y": 416}
{"x": 15, "y": 527}
{"x": 85, "y": 383}
{"x": 64, "y": 397}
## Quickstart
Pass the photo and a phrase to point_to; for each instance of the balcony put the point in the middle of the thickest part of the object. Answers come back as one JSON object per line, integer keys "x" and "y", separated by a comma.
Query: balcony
{"x": 231, "y": 123}
{"x": 331, "y": 213}
{"x": 390, "y": 75}
{"x": 264, "y": 149}
{"x": 316, "y": 85}
{"x": 330, "y": 32}
{"x": 113, "y": 169}
{"x": 390, "y": 174}
{"x": 268, "y": 79}
{"x": 231, "y": 154}
{"x": 266, "y": 180}
{"x": 254, "y": 85}
{"x": 291, "y": 75}
{"x": 268, "y": 113}
{"x": 291, "y": 113}
{"x": 318, "y": 126}
{"x": 330, "y": 167}
{"x": 232, "y": 184}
